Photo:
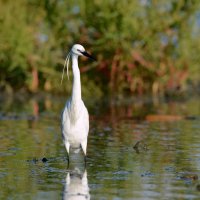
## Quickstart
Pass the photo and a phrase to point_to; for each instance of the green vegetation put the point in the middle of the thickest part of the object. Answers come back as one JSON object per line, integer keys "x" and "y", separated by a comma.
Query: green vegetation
{"x": 141, "y": 45}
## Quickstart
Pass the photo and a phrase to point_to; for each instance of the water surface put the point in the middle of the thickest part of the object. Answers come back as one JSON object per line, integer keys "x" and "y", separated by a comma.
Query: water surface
{"x": 137, "y": 149}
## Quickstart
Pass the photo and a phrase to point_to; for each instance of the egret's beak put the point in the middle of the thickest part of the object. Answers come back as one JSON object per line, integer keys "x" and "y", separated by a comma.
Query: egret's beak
{"x": 85, "y": 53}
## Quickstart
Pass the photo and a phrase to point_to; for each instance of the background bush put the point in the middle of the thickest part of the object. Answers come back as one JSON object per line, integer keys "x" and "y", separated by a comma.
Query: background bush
{"x": 142, "y": 46}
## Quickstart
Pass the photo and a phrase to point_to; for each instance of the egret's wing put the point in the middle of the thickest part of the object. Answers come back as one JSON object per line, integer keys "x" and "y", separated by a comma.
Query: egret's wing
{"x": 65, "y": 118}
{"x": 86, "y": 119}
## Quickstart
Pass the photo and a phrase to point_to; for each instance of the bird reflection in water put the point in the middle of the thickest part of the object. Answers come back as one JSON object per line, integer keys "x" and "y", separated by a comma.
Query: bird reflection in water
{"x": 76, "y": 186}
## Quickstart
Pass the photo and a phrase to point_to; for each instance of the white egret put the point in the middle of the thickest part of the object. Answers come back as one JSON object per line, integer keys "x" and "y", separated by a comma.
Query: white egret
{"x": 75, "y": 118}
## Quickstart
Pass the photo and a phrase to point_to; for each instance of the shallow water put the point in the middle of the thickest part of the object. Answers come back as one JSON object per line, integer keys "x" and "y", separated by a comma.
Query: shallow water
{"x": 137, "y": 149}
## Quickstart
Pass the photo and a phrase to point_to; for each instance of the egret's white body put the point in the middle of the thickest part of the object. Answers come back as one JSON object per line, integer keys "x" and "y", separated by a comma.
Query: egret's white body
{"x": 75, "y": 118}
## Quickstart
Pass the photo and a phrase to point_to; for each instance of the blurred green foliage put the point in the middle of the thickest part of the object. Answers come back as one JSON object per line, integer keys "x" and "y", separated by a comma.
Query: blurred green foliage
{"x": 141, "y": 45}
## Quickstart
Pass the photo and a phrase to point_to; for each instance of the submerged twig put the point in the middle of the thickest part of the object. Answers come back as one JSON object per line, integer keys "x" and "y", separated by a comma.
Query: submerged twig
{"x": 138, "y": 145}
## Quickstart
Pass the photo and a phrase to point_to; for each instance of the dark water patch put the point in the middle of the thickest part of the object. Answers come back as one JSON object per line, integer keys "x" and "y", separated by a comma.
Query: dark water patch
{"x": 170, "y": 169}
{"x": 14, "y": 116}
{"x": 4, "y": 154}
{"x": 187, "y": 176}
{"x": 147, "y": 174}
{"x": 198, "y": 187}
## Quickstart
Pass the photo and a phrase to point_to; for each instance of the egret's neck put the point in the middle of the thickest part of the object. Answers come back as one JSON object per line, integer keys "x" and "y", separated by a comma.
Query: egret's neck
{"x": 76, "y": 88}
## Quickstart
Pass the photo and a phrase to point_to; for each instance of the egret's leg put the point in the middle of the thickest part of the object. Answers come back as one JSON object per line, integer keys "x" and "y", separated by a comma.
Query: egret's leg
{"x": 67, "y": 145}
{"x": 84, "y": 147}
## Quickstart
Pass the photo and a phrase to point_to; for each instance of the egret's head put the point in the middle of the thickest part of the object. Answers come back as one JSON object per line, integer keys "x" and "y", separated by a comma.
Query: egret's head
{"x": 78, "y": 49}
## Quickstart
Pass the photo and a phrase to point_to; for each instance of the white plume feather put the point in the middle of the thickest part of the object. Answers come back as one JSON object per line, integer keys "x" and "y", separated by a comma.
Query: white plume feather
{"x": 66, "y": 63}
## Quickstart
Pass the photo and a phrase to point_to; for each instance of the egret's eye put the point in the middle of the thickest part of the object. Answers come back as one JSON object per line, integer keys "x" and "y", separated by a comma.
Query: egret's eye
{"x": 79, "y": 50}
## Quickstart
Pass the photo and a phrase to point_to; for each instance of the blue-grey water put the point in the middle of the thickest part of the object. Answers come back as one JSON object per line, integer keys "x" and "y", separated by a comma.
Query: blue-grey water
{"x": 138, "y": 148}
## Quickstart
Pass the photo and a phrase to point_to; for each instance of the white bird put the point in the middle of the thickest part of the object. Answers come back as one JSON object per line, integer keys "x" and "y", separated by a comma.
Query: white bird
{"x": 75, "y": 117}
